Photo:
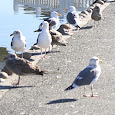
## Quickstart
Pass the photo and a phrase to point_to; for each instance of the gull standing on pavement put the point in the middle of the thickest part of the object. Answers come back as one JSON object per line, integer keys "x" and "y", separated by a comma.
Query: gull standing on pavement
{"x": 73, "y": 17}
{"x": 87, "y": 76}
{"x": 96, "y": 14}
{"x": 53, "y": 21}
{"x": 18, "y": 43}
{"x": 44, "y": 39}
{"x": 21, "y": 66}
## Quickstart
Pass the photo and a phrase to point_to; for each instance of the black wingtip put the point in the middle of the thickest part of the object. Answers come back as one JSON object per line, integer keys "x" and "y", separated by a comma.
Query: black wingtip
{"x": 39, "y": 30}
{"x": 69, "y": 88}
{"x": 77, "y": 27}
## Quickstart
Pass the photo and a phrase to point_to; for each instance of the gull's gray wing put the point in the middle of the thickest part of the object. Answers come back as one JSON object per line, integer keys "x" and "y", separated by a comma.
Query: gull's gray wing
{"x": 71, "y": 18}
{"x": 85, "y": 77}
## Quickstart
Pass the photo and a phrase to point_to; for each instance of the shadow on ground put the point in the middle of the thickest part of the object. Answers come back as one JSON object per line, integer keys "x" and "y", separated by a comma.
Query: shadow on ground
{"x": 87, "y": 27}
{"x": 13, "y": 87}
{"x": 61, "y": 101}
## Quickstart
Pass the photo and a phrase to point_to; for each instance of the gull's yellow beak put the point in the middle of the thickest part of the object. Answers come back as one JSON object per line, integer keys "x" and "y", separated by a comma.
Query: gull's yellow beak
{"x": 100, "y": 61}
{"x": 11, "y": 34}
{"x": 59, "y": 15}
{"x": 42, "y": 26}
{"x": 66, "y": 9}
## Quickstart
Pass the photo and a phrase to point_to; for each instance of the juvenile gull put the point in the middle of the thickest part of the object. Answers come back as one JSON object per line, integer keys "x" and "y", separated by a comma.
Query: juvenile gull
{"x": 72, "y": 16}
{"x": 87, "y": 76}
{"x": 99, "y": 1}
{"x": 44, "y": 39}
{"x": 18, "y": 42}
{"x": 63, "y": 28}
{"x": 21, "y": 66}
{"x": 96, "y": 14}
{"x": 53, "y": 20}
{"x": 57, "y": 38}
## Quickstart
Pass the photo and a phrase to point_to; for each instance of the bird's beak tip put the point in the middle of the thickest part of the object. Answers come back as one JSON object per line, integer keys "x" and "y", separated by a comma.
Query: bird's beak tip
{"x": 100, "y": 61}
{"x": 36, "y": 31}
{"x": 11, "y": 34}
{"x": 42, "y": 26}
{"x": 59, "y": 15}
{"x": 66, "y": 9}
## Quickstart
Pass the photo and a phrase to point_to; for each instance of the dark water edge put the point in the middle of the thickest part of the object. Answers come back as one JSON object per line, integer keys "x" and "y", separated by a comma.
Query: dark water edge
{"x": 3, "y": 54}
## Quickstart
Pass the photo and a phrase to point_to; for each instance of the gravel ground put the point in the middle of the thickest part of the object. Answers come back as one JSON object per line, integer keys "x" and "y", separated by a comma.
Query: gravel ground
{"x": 44, "y": 95}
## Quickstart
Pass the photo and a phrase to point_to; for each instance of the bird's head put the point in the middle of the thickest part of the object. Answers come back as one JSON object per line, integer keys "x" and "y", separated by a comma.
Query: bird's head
{"x": 95, "y": 61}
{"x": 71, "y": 9}
{"x": 45, "y": 24}
{"x": 54, "y": 14}
{"x": 10, "y": 56}
{"x": 17, "y": 32}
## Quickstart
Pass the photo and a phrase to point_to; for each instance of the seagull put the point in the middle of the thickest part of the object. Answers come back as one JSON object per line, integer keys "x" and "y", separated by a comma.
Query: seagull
{"x": 53, "y": 21}
{"x": 18, "y": 42}
{"x": 62, "y": 29}
{"x": 44, "y": 39}
{"x": 87, "y": 76}
{"x": 57, "y": 38}
{"x": 21, "y": 66}
{"x": 96, "y": 14}
{"x": 99, "y": 1}
{"x": 72, "y": 17}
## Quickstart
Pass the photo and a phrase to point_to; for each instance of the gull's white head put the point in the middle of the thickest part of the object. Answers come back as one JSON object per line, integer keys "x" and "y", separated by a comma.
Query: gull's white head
{"x": 17, "y": 32}
{"x": 45, "y": 25}
{"x": 95, "y": 61}
{"x": 70, "y": 9}
{"x": 55, "y": 14}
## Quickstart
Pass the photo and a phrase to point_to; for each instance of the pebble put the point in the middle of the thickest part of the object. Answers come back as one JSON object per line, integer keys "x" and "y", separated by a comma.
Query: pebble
{"x": 3, "y": 75}
{"x": 2, "y": 80}
{"x": 5, "y": 69}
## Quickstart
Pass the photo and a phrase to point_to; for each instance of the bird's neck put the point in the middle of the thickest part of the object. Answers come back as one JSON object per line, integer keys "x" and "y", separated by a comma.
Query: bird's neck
{"x": 18, "y": 36}
{"x": 46, "y": 29}
{"x": 55, "y": 17}
{"x": 93, "y": 65}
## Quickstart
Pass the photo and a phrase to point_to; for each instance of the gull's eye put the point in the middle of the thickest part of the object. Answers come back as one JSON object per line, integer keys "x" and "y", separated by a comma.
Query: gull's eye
{"x": 17, "y": 32}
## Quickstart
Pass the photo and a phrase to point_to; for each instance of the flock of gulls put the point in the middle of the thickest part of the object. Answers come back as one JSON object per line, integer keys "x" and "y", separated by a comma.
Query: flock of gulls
{"x": 48, "y": 37}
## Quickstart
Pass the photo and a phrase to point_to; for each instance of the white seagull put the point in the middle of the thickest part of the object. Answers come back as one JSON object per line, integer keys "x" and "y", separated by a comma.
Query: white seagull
{"x": 18, "y": 43}
{"x": 53, "y": 20}
{"x": 87, "y": 76}
{"x": 44, "y": 39}
{"x": 72, "y": 16}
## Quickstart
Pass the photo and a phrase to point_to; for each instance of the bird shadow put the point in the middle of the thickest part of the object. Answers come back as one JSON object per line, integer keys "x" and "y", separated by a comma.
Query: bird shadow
{"x": 13, "y": 87}
{"x": 110, "y": 1}
{"x": 53, "y": 51}
{"x": 30, "y": 59}
{"x": 33, "y": 54}
{"x": 87, "y": 27}
{"x": 61, "y": 101}
{"x": 65, "y": 34}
